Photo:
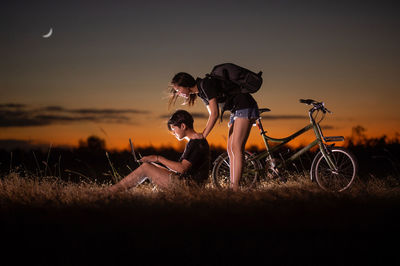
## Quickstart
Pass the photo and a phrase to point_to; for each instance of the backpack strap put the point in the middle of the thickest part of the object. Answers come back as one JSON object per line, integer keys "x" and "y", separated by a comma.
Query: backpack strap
{"x": 201, "y": 86}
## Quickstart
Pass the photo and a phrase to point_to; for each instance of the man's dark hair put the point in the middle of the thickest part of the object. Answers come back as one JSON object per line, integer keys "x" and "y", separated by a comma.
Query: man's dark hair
{"x": 179, "y": 117}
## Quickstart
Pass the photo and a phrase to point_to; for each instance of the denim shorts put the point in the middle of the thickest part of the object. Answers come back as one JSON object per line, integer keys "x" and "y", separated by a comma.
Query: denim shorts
{"x": 249, "y": 113}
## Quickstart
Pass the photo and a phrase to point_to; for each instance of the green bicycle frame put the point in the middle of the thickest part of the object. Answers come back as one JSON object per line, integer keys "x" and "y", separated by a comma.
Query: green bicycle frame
{"x": 269, "y": 152}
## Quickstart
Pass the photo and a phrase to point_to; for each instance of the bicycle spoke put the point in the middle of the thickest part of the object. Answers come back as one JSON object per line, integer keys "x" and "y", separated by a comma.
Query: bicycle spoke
{"x": 221, "y": 172}
{"x": 227, "y": 163}
{"x": 340, "y": 179}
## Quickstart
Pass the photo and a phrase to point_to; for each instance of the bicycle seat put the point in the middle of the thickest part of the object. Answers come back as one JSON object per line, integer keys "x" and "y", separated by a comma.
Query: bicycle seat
{"x": 262, "y": 110}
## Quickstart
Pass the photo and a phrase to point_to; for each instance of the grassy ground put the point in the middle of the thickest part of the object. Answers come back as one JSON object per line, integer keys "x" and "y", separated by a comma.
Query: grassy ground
{"x": 50, "y": 222}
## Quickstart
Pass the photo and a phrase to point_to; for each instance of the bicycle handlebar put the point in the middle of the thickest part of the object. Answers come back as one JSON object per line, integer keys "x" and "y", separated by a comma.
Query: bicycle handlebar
{"x": 316, "y": 105}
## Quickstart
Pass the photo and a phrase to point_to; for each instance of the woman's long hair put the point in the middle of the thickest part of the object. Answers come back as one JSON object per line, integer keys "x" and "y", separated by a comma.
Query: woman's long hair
{"x": 182, "y": 79}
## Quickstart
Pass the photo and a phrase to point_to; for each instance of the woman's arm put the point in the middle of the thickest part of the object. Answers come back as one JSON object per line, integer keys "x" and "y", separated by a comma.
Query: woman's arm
{"x": 213, "y": 112}
{"x": 180, "y": 167}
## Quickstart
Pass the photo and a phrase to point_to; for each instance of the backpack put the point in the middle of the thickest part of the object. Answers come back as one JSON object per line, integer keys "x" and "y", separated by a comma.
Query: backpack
{"x": 236, "y": 79}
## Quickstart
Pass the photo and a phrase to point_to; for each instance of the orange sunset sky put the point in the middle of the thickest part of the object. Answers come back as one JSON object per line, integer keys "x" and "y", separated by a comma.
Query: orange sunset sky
{"x": 106, "y": 68}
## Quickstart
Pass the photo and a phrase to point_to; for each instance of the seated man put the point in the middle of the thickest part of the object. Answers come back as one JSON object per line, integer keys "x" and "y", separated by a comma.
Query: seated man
{"x": 192, "y": 166}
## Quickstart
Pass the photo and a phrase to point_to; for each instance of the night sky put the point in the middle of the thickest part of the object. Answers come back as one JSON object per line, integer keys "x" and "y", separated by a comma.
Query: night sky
{"x": 106, "y": 68}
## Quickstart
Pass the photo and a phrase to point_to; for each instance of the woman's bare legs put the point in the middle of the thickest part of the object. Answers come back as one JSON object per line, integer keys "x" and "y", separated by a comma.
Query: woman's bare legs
{"x": 238, "y": 135}
{"x": 158, "y": 175}
{"x": 230, "y": 154}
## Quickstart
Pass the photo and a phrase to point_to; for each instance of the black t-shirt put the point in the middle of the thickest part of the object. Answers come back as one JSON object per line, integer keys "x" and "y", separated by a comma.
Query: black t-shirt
{"x": 210, "y": 88}
{"x": 197, "y": 152}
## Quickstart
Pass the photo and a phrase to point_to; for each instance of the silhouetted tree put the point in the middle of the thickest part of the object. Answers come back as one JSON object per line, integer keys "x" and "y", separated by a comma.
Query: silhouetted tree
{"x": 358, "y": 136}
{"x": 93, "y": 143}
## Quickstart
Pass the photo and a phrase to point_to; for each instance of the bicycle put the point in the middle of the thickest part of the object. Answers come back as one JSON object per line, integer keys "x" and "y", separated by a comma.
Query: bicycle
{"x": 333, "y": 168}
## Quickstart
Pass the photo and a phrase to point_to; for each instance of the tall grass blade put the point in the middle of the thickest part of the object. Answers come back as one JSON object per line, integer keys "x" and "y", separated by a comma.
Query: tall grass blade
{"x": 37, "y": 164}
{"x": 77, "y": 173}
{"x": 115, "y": 175}
{"x": 11, "y": 163}
{"x": 47, "y": 160}
{"x": 302, "y": 167}
{"x": 59, "y": 166}
{"x": 45, "y": 163}
{"x": 133, "y": 153}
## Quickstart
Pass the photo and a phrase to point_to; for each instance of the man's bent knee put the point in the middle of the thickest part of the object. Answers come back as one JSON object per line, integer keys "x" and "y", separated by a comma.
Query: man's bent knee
{"x": 143, "y": 167}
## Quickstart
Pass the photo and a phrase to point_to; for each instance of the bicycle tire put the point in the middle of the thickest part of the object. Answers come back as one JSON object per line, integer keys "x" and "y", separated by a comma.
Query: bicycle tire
{"x": 220, "y": 174}
{"x": 330, "y": 180}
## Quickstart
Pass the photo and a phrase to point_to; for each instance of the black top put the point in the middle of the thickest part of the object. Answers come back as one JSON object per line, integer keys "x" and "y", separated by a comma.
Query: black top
{"x": 197, "y": 152}
{"x": 210, "y": 88}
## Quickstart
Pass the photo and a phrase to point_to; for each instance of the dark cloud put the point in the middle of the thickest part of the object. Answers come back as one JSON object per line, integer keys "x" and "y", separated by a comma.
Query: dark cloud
{"x": 21, "y": 122}
{"x": 194, "y": 114}
{"x": 93, "y": 111}
{"x": 227, "y": 115}
{"x": 109, "y": 111}
{"x": 54, "y": 109}
{"x": 284, "y": 117}
{"x": 19, "y": 115}
{"x": 12, "y": 105}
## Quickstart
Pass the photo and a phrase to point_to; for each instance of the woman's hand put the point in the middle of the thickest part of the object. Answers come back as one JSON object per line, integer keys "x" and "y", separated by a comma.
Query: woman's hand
{"x": 149, "y": 159}
{"x": 199, "y": 136}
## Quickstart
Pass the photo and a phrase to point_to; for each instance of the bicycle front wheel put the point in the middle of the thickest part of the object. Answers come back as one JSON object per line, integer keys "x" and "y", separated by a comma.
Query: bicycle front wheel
{"x": 221, "y": 172}
{"x": 335, "y": 180}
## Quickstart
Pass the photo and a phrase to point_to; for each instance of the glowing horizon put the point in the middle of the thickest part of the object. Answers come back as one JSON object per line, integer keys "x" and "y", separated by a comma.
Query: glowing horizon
{"x": 106, "y": 71}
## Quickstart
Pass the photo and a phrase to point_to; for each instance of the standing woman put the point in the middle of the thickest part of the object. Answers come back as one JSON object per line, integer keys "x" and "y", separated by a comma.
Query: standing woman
{"x": 243, "y": 108}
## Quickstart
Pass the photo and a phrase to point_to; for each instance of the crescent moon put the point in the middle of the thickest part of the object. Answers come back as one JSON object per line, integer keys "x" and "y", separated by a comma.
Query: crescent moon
{"x": 48, "y": 34}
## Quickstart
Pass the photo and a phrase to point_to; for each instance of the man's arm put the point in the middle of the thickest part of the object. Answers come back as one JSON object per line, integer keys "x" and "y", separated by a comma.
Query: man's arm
{"x": 180, "y": 167}
{"x": 213, "y": 112}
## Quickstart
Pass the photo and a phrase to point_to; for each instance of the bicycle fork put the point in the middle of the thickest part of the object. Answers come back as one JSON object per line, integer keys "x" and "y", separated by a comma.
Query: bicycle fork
{"x": 326, "y": 153}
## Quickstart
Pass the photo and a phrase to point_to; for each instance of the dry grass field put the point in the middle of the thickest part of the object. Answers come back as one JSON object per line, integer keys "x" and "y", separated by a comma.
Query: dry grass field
{"x": 45, "y": 221}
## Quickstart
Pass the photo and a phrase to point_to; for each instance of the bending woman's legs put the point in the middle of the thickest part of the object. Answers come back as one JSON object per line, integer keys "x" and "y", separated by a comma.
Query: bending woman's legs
{"x": 238, "y": 135}
{"x": 229, "y": 150}
{"x": 158, "y": 175}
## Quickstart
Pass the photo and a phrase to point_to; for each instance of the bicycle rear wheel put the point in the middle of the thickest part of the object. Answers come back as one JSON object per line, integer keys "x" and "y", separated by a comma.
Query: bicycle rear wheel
{"x": 221, "y": 176}
{"x": 335, "y": 181}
